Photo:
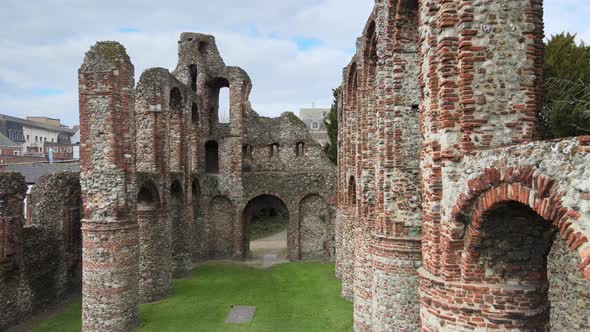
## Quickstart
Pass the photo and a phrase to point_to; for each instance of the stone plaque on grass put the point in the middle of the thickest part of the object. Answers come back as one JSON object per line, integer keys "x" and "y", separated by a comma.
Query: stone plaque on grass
{"x": 240, "y": 314}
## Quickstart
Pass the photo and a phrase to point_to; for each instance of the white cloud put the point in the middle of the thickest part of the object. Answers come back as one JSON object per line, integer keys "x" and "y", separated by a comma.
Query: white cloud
{"x": 42, "y": 44}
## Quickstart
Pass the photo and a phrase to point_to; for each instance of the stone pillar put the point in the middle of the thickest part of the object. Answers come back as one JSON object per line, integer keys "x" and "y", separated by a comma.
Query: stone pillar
{"x": 481, "y": 82}
{"x": 363, "y": 278}
{"x": 109, "y": 229}
{"x": 12, "y": 193}
{"x": 155, "y": 267}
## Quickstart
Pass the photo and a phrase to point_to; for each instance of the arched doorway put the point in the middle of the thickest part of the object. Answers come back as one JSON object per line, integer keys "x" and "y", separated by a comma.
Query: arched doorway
{"x": 512, "y": 258}
{"x": 265, "y": 222}
{"x": 519, "y": 256}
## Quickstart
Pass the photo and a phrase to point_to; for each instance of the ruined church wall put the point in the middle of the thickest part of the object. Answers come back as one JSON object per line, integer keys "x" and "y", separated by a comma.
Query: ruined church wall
{"x": 379, "y": 209}
{"x": 14, "y": 305}
{"x": 549, "y": 177}
{"x": 44, "y": 265}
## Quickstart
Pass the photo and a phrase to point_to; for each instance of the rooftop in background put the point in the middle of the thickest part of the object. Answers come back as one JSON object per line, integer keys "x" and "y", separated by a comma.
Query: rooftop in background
{"x": 7, "y": 142}
{"x": 46, "y": 120}
{"x": 40, "y": 122}
{"x": 32, "y": 172}
{"x": 313, "y": 113}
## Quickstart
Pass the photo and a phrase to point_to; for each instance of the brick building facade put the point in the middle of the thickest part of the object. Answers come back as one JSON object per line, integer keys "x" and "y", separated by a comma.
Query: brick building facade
{"x": 451, "y": 215}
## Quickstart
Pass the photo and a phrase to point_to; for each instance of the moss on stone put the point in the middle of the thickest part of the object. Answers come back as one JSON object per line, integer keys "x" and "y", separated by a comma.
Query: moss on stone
{"x": 292, "y": 118}
{"x": 110, "y": 50}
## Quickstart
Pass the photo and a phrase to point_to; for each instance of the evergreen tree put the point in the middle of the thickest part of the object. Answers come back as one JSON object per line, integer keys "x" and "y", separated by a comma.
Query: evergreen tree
{"x": 331, "y": 122}
{"x": 566, "y": 110}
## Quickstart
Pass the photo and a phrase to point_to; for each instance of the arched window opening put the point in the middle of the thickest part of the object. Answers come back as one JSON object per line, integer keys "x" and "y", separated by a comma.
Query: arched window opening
{"x": 194, "y": 73}
{"x": 512, "y": 234}
{"x": 370, "y": 54}
{"x": 247, "y": 151}
{"x": 411, "y": 5}
{"x": 300, "y": 149}
{"x": 195, "y": 114}
{"x": 351, "y": 191}
{"x": 218, "y": 90}
{"x": 202, "y": 47}
{"x": 509, "y": 244}
{"x": 175, "y": 100}
{"x": 212, "y": 157}
{"x": 274, "y": 150}
{"x": 176, "y": 190}
{"x": 224, "y": 105}
{"x": 148, "y": 197}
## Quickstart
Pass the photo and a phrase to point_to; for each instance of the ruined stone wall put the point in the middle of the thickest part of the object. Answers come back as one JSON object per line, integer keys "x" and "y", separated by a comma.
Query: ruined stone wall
{"x": 53, "y": 240}
{"x": 316, "y": 231}
{"x": 296, "y": 169}
{"x": 379, "y": 178}
{"x": 152, "y": 206}
{"x": 436, "y": 170}
{"x": 43, "y": 259}
{"x": 549, "y": 179}
{"x": 12, "y": 193}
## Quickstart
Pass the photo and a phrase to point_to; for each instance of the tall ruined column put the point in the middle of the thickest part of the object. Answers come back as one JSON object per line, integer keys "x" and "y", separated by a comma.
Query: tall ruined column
{"x": 109, "y": 228}
{"x": 396, "y": 244}
{"x": 481, "y": 78}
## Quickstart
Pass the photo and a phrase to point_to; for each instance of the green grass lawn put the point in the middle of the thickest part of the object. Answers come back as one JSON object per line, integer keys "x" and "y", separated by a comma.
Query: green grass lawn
{"x": 288, "y": 297}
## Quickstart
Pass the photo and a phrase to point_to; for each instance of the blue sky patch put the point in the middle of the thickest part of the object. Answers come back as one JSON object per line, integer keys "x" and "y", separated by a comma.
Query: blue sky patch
{"x": 46, "y": 92}
{"x": 304, "y": 44}
{"x": 128, "y": 30}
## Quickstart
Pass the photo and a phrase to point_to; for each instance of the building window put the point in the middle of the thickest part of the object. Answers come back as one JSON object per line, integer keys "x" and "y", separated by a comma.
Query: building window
{"x": 247, "y": 150}
{"x": 315, "y": 125}
{"x": 274, "y": 150}
{"x": 36, "y": 139}
{"x": 300, "y": 149}
{"x": 195, "y": 114}
{"x": 211, "y": 157}
{"x": 27, "y": 138}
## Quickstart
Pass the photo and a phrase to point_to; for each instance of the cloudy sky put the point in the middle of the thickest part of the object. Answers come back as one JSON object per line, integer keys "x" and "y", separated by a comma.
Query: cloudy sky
{"x": 294, "y": 50}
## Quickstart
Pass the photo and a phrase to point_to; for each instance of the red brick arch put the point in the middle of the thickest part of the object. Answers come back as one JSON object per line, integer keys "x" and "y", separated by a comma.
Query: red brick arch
{"x": 525, "y": 185}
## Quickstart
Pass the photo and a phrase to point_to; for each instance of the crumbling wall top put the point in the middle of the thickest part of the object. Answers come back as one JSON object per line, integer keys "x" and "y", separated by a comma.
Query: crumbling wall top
{"x": 102, "y": 54}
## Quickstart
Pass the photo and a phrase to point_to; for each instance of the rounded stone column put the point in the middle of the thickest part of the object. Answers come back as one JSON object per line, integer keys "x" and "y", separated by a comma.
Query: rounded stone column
{"x": 110, "y": 254}
{"x": 395, "y": 284}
